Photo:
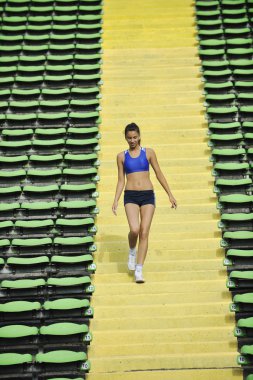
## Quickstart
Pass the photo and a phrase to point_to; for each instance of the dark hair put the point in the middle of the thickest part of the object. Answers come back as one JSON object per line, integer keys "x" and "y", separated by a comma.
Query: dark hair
{"x": 132, "y": 127}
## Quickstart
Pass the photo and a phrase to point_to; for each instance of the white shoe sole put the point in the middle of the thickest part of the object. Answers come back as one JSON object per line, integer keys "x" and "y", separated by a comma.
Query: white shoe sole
{"x": 139, "y": 280}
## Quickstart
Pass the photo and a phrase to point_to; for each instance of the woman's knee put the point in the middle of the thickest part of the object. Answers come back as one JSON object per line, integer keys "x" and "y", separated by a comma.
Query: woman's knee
{"x": 134, "y": 231}
{"x": 144, "y": 232}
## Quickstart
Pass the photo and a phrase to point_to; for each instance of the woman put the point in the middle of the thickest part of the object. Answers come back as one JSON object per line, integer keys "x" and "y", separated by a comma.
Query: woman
{"x": 139, "y": 198}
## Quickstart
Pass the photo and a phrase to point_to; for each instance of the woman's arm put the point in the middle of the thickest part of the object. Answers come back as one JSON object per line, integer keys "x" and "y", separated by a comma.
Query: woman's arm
{"x": 160, "y": 177}
{"x": 120, "y": 183}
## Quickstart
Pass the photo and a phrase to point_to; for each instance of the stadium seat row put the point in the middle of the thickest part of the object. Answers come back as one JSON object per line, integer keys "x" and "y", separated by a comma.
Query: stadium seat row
{"x": 224, "y": 32}
{"x": 50, "y": 77}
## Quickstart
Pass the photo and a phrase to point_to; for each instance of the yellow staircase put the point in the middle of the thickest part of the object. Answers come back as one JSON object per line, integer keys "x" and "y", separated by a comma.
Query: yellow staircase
{"x": 177, "y": 325}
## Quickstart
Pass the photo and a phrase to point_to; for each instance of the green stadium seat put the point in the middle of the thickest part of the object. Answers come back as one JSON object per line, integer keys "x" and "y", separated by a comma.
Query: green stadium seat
{"x": 63, "y": 357}
{"x": 45, "y": 160}
{"x": 220, "y": 99}
{"x": 23, "y": 284}
{"x": 232, "y": 184}
{"x": 230, "y": 168}
{"x": 25, "y": 94}
{"x": 27, "y": 261}
{"x": 63, "y": 328}
{"x": 12, "y": 358}
{"x": 74, "y": 259}
{"x": 52, "y": 93}
{"x": 52, "y": 118}
{"x": 226, "y": 154}
{"x": 214, "y": 88}
{"x": 19, "y": 306}
{"x": 18, "y": 331}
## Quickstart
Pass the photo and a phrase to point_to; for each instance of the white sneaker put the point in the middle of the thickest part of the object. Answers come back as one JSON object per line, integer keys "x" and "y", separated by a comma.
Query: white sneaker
{"x": 139, "y": 277}
{"x": 131, "y": 261}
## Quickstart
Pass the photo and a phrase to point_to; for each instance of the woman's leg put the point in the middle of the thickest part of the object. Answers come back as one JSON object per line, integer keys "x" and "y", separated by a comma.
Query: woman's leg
{"x": 146, "y": 212}
{"x": 132, "y": 213}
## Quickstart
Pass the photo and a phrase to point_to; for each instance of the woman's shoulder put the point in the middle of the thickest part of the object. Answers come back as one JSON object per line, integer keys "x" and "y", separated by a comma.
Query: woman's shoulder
{"x": 149, "y": 151}
{"x": 121, "y": 155}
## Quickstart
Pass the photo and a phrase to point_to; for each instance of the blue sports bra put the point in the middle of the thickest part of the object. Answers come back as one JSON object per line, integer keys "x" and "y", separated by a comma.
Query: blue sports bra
{"x": 136, "y": 164}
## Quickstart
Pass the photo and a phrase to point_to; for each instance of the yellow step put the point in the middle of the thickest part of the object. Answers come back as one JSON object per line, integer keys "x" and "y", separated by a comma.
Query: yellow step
{"x": 186, "y": 374}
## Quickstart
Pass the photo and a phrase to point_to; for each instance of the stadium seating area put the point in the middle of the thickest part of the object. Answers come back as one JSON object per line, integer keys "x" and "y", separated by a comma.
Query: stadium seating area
{"x": 225, "y": 32}
{"x": 50, "y": 78}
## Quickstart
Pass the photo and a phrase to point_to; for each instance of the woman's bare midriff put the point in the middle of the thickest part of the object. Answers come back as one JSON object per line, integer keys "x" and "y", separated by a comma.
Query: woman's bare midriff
{"x": 138, "y": 181}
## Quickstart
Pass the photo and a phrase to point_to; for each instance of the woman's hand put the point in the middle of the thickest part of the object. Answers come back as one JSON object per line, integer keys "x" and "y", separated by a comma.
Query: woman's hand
{"x": 173, "y": 201}
{"x": 114, "y": 207}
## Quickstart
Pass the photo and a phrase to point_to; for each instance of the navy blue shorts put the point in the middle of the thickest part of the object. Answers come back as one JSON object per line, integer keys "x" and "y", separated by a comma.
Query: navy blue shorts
{"x": 139, "y": 197}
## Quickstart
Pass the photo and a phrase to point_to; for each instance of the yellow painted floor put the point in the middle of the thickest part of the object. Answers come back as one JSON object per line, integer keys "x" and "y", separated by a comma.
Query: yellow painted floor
{"x": 177, "y": 325}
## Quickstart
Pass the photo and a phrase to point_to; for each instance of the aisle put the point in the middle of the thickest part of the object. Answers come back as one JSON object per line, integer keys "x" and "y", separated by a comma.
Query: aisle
{"x": 177, "y": 325}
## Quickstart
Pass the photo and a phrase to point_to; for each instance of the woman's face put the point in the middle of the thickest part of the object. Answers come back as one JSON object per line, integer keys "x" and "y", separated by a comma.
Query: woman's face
{"x": 132, "y": 138}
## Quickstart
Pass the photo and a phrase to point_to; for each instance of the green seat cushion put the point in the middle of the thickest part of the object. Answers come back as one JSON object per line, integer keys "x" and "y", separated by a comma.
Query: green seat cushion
{"x": 64, "y": 328}
{"x": 46, "y": 158}
{"x": 40, "y": 189}
{"x": 83, "y": 115}
{"x": 9, "y": 206}
{"x": 10, "y": 190}
{"x": 231, "y": 166}
{"x": 4, "y": 242}
{"x": 15, "y": 144}
{"x": 50, "y": 131}
{"x": 236, "y": 198}
{"x": 23, "y": 284}
{"x": 84, "y": 90}
{"x": 74, "y": 222}
{"x": 243, "y": 298}
{"x": 234, "y": 124}
{"x": 6, "y": 224}
{"x": 13, "y": 159}
{"x": 17, "y": 331}
{"x": 55, "y": 91}
{"x": 66, "y": 304}
{"x": 88, "y": 186}
{"x": 228, "y": 152}
{"x": 247, "y": 124}
{"x": 244, "y": 275}
{"x": 49, "y": 143}
{"x": 71, "y": 259}
{"x": 246, "y": 109}
{"x": 83, "y": 130}
{"x": 81, "y": 172}
{"x": 226, "y": 137}
{"x": 27, "y": 260}
{"x": 245, "y": 322}
{"x": 34, "y": 223}
{"x": 247, "y": 350}
{"x": 52, "y": 116}
{"x": 238, "y": 235}
{"x": 68, "y": 281}
{"x": 219, "y": 96}
{"x": 14, "y": 359}
{"x": 222, "y": 110}
{"x": 17, "y": 132}
{"x": 39, "y": 205}
{"x": 233, "y": 182}
{"x": 77, "y": 204}
{"x": 73, "y": 240}
{"x": 31, "y": 242}
{"x": 243, "y": 84}
{"x": 240, "y": 252}
{"x": 218, "y": 86}
{"x": 44, "y": 173}
{"x": 237, "y": 217}
{"x": 60, "y": 356}
{"x": 19, "y": 306}
{"x": 80, "y": 157}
